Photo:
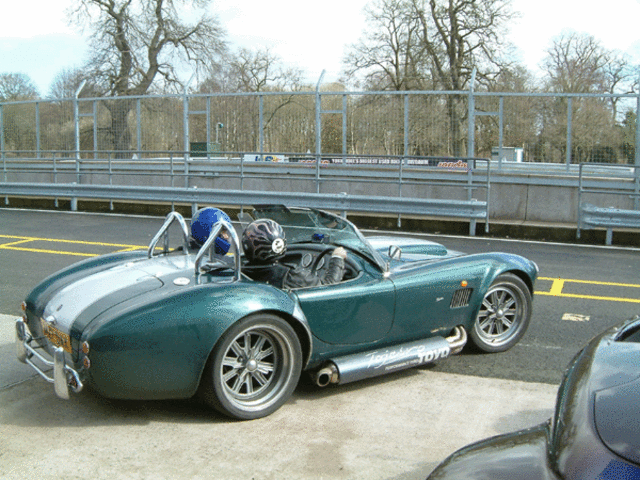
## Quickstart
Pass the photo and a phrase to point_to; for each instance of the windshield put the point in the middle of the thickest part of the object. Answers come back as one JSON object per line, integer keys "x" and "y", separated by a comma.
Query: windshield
{"x": 304, "y": 225}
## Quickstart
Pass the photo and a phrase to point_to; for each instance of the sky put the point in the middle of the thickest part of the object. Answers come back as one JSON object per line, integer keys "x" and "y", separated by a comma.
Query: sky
{"x": 37, "y": 40}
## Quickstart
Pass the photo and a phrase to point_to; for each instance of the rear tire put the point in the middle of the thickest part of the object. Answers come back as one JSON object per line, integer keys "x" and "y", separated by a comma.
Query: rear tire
{"x": 504, "y": 315}
{"x": 254, "y": 368}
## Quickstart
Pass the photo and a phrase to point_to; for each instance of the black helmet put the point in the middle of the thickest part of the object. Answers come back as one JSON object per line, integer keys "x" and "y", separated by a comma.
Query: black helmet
{"x": 263, "y": 240}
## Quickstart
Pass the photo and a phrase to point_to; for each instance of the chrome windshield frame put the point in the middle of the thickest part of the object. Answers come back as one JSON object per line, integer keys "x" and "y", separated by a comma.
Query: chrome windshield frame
{"x": 367, "y": 249}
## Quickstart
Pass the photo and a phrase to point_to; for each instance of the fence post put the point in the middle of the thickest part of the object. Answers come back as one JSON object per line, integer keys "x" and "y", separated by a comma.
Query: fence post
{"x": 2, "y": 131}
{"x": 471, "y": 138}
{"x": 55, "y": 175}
{"x": 261, "y": 125}
{"x": 38, "y": 130}
{"x": 2, "y": 154}
{"x": 318, "y": 130}
{"x": 185, "y": 132}
{"x": 405, "y": 151}
{"x": 500, "y": 132}
{"x": 76, "y": 121}
{"x": 138, "y": 127}
{"x": 95, "y": 129}
{"x": 636, "y": 199}
{"x": 569, "y": 130}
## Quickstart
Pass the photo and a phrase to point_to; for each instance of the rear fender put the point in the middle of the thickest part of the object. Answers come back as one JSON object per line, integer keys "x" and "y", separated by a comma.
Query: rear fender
{"x": 159, "y": 349}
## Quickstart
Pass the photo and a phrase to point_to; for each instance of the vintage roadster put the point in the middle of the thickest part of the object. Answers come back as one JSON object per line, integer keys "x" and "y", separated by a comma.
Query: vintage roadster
{"x": 172, "y": 322}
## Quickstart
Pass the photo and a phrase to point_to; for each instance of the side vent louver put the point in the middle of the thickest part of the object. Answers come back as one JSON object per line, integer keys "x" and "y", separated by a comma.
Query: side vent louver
{"x": 461, "y": 297}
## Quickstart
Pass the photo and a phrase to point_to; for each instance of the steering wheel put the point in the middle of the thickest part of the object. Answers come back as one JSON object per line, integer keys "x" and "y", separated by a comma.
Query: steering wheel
{"x": 317, "y": 263}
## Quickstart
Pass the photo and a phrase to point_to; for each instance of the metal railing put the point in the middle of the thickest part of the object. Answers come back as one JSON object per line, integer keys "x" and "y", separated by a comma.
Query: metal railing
{"x": 393, "y": 185}
{"x": 609, "y": 217}
{"x": 472, "y": 209}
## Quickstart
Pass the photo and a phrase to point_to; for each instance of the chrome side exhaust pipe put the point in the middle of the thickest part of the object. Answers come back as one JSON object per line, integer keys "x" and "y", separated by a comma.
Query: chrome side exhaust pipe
{"x": 458, "y": 340}
{"x": 359, "y": 366}
{"x": 325, "y": 376}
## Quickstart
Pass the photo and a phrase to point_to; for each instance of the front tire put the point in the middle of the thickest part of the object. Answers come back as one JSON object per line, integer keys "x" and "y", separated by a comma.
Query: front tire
{"x": 504, "y": 315}
{"x": 254, "y": 368}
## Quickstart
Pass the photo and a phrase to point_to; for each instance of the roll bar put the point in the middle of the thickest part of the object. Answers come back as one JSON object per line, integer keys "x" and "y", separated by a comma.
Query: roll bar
{"x": 164, "y": 231}
{"x": 209, "y": 248}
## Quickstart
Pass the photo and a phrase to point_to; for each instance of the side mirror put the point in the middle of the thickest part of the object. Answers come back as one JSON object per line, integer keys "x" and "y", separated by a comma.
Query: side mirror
{"x": 395, "y": 252}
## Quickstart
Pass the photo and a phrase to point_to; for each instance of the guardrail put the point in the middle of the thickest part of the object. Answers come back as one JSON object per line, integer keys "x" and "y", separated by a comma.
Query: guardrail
{"x": 591, "y": 216}
{"x": 473, "y": 209}
{"x": 393, "y": 185}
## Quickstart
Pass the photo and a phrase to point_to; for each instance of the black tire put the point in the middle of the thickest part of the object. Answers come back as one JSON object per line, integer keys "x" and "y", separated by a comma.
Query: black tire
{"x": 504, "y": 315}
{"x": 254, "y": 368}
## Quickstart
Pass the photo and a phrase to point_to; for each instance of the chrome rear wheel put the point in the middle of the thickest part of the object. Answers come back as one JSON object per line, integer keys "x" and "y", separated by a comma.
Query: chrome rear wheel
{"x": 255, "y": 367}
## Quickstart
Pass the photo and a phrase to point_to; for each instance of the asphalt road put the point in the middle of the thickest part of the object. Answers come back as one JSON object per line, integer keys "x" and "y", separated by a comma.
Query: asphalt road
{"x": 593, "y": 287}
{"x": 399, "y": 426}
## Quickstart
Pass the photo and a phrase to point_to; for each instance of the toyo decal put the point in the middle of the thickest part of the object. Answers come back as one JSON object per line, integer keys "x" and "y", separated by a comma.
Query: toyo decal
{"x": 392, "y": 359}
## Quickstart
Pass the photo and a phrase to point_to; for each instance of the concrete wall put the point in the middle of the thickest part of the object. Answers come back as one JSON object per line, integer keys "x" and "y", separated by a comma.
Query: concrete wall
{"x": 514, "y": 198}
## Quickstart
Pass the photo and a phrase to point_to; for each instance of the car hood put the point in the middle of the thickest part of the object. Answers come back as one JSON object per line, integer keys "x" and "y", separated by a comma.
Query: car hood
{"x": 598, "y": 400}
{"x": 116, "y": 284}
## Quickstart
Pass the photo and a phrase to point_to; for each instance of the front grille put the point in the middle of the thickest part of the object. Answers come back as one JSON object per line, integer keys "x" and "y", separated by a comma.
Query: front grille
{"x": 461, "y": 298}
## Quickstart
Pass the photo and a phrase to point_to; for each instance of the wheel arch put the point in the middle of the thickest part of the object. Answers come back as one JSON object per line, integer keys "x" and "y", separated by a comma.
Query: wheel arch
{"x": 168, "y": 326}
{"x": 522, "y": 276}
{"x": 298, "y": 323}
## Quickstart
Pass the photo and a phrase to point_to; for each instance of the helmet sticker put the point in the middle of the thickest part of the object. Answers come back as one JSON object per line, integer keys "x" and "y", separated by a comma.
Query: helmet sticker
{"x": 278, "y": 246}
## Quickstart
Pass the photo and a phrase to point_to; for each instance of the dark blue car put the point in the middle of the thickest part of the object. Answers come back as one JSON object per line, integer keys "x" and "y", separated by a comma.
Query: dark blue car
{"x": 594, "y": 434}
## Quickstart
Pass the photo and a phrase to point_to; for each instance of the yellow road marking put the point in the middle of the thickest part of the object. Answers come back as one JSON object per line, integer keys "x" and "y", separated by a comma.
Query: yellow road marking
{"x": 120, "y": 247}
{"x": 556, "y": 287}
{"x": 559, "y": 283}
{"x": 55, "y": 252}
{"x": 75, "y": 242}
{"x": 11, "y": 244}
{"x": 592, "y": 282}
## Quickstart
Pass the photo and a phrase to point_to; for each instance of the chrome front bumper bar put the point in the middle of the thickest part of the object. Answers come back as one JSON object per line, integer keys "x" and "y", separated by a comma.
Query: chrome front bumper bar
{"x": 65, "y": 379}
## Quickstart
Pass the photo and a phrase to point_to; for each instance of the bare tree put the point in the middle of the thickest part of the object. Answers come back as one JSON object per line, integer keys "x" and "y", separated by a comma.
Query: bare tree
{"x": 67, "y": 81}
{"x": 389, "y": 56}
{"x": 16, "y": 86}
{"x": 575, "y": 63}
{"x": 418, "y": 43}
{"x": 578, "y": 63}
{"x": 260, "y": 70}
{"x": 254, "y": 71}
{"x": 460, "y": 36}
{"x": 138, "y": 43}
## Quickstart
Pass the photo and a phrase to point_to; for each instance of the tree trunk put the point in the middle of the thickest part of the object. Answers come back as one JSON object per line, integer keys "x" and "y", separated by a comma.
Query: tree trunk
{"x": 119, "y": 130}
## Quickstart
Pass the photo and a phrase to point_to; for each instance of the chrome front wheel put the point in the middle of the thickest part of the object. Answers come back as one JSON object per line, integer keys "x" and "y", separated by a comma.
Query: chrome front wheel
{"x": 504, "y": 315}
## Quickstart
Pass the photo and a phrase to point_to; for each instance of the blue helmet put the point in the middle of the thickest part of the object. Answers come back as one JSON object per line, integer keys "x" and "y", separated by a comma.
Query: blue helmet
{"x": 202, "y": 222}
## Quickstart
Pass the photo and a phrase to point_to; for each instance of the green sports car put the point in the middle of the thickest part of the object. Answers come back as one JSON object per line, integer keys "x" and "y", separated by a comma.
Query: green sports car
{"x": 174, "y": 321}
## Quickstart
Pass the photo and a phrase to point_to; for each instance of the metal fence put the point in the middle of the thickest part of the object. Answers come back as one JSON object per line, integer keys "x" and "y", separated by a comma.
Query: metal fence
{"x": 510, "y": 127}
{"x": 459, "y": 189}
{"x": 590, "y": 192}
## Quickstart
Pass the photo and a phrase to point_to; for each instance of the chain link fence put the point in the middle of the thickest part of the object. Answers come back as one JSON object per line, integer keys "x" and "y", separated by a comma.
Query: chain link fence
{"x": 543, "y": 128}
